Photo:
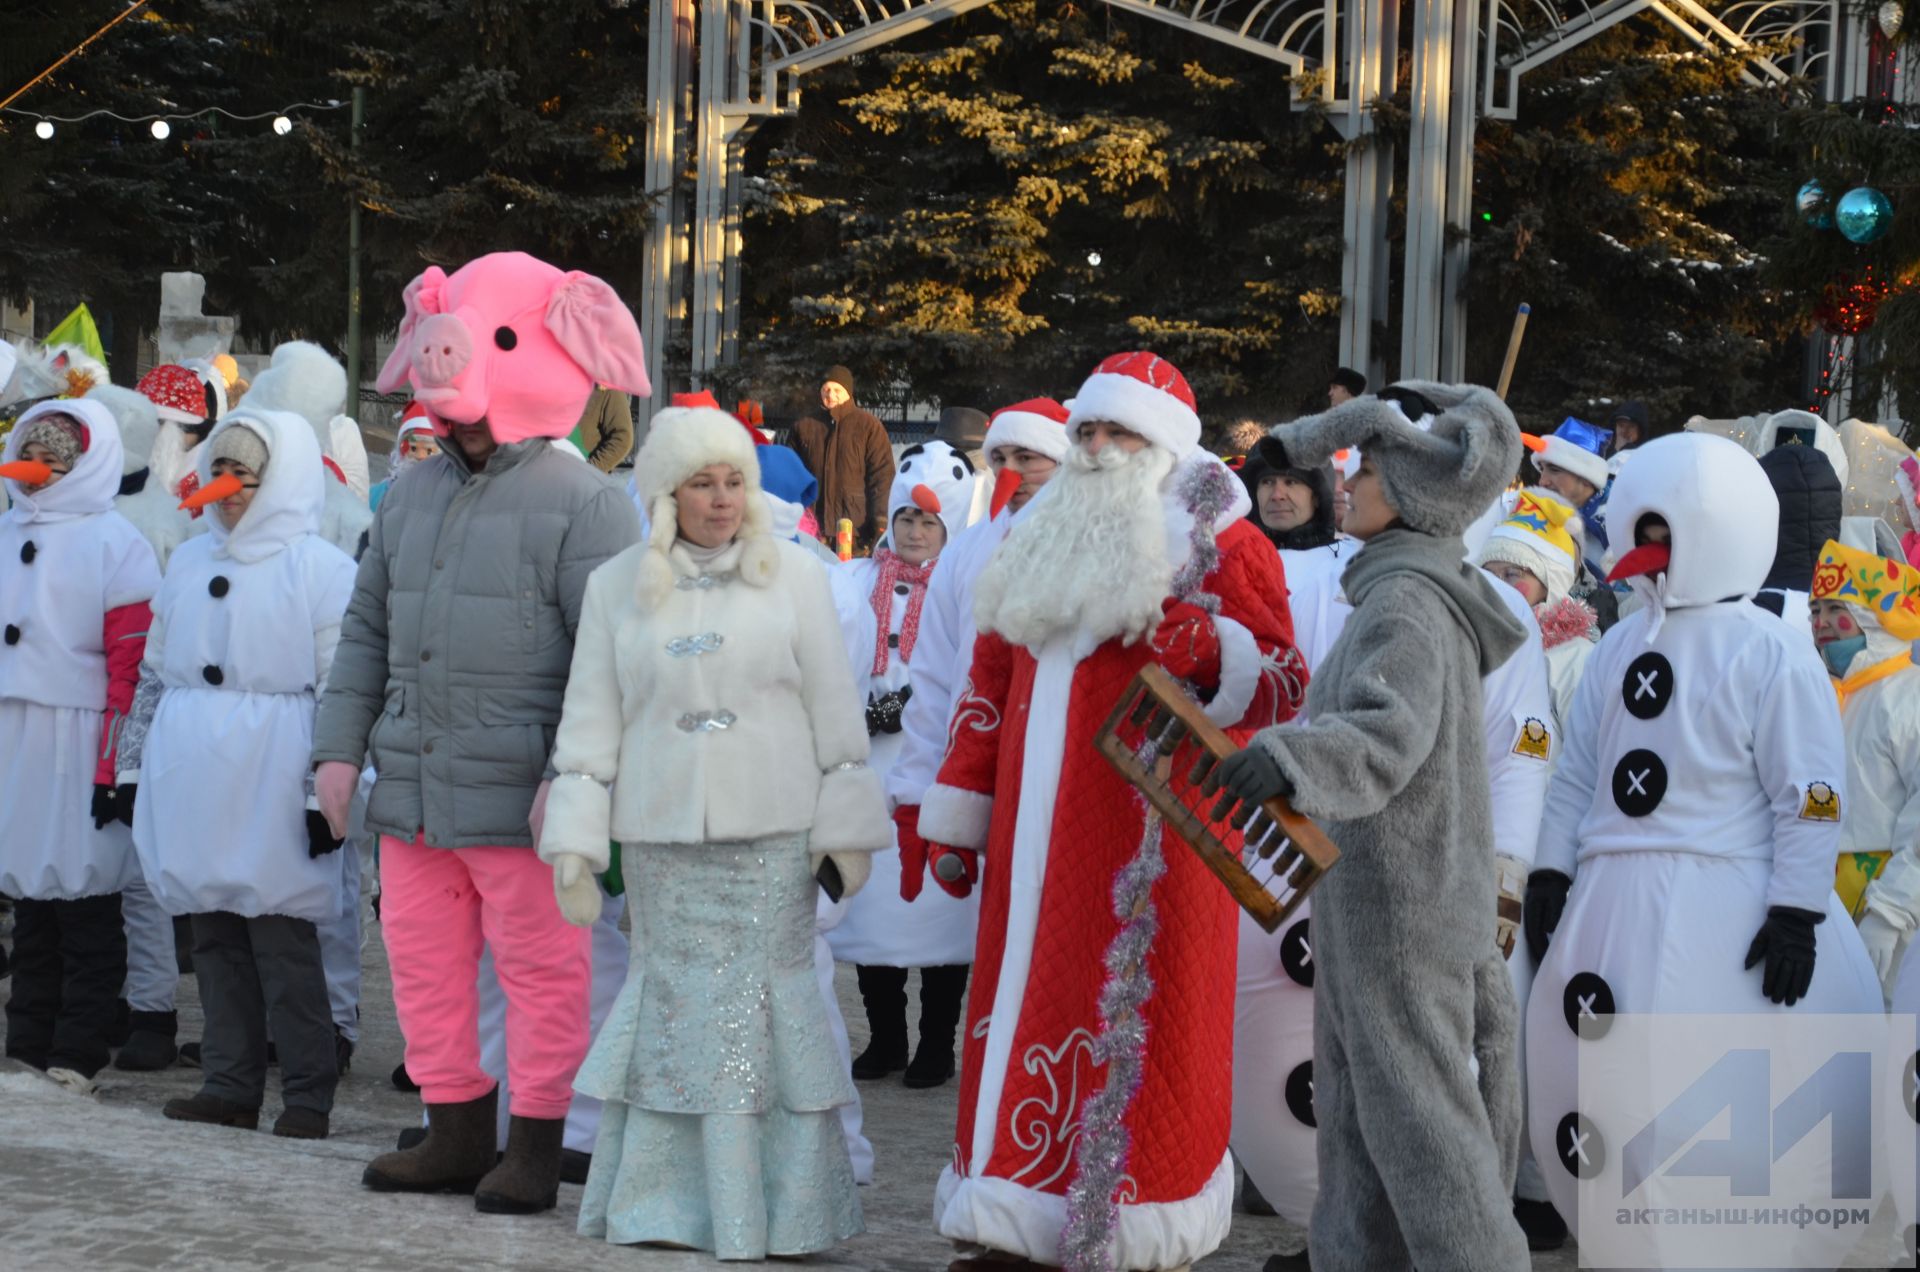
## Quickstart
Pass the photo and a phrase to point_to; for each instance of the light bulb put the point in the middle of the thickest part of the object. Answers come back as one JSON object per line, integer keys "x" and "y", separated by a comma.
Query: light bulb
{"x": 282, "y": 125}
{"x": 44, "y": 130}
{"x": 161, "y": 130}
{"x": 1093, "y": 259}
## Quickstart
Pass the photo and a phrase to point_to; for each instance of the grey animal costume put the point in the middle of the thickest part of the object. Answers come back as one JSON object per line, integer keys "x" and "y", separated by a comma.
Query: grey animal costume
{"x": 1416, "y": 1163}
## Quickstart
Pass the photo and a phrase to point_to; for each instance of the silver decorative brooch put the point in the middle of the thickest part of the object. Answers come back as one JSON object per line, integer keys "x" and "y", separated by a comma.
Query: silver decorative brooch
{"x": 847, "y": 766}
{"x": 706, "y": 582}
{"x": 706, "y": 721}
{"x": 694, "y": 646}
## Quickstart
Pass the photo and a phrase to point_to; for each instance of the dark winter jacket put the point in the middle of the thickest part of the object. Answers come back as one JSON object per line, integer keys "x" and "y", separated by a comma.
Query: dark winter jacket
{"x": 1316, "y": 531}
{"x": 851, "y": 458}
{"x": 1809, "y": 492}
{"x": 456, "y": 646}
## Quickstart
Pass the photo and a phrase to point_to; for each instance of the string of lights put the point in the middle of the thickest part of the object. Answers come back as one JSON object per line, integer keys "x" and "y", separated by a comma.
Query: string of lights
{"x": 160, "y": 125}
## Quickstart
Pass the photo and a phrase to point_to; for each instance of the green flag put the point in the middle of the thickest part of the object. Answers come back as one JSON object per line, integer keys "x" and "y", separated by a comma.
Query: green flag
{"x": 77, "y": 329}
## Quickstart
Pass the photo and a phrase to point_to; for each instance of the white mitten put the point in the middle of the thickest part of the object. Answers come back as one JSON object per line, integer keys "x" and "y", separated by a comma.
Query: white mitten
{"x": 854, "y": 867}
{"x": 575, "y": 889}
{"x": 1882, "y": 940}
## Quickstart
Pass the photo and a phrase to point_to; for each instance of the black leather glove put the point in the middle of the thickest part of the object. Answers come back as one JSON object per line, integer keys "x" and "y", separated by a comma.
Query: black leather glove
{"x": 1786, "y": 942}
{"x": 106, "y": 806}
{"x": 1250, "y": 776}
{"x": 320, "y": 840}
{"x": 124, "y": 796}
{"x": 1540, "y": 912}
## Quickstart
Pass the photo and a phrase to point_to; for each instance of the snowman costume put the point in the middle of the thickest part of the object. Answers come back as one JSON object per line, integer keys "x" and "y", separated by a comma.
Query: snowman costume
{"x": 1697, "y": 800}
{"x": 305, "y": 379}
{"x": 880, "y": 928}
{"x": 75, "y": 589}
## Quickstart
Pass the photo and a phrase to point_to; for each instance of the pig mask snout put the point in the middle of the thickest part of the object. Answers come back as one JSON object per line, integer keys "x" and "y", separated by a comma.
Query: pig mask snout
{"x": 442, "y": 349}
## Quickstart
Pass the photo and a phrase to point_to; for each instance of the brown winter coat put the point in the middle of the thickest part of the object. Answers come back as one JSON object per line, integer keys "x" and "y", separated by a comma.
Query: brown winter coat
{"x": 606, "y": 428}
{"x": 852, "y": 459}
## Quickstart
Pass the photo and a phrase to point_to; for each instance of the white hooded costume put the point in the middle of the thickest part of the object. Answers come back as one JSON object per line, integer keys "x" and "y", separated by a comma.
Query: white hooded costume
{"x": 305, "y": 380}
{"x": 244, "y": 631}
{"x": 1701, "y": 785}
{"x": 69, "y": 559}
{"x": 153, "y": 508}
{"x": 935, "y": 929}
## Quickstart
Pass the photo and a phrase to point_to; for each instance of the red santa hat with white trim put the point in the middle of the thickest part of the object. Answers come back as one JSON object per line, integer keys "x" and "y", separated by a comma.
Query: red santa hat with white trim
{"x": 1037, "y": 424}
{"x": 1142, "y": 393}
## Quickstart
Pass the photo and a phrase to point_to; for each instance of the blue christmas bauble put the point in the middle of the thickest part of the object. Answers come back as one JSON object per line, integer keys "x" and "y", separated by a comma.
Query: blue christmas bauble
{"x": 1813, "y": 205}
{"x": 1863, "y": 214}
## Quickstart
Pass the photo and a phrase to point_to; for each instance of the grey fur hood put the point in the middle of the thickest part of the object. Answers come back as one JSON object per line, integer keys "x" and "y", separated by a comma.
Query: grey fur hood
{"x": 1438, "y": 560}
{"x": 1439, "y": 478}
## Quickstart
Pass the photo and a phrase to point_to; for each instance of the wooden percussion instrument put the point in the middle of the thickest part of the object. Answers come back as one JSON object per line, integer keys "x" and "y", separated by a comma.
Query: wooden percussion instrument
{"x": 1269, "y": 856}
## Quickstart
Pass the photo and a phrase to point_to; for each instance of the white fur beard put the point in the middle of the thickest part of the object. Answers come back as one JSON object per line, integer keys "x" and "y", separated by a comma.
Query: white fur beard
{"x": 1091, "y": 558}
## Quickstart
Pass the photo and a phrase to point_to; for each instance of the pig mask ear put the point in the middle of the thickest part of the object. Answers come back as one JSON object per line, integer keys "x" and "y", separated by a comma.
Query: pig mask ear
{"x": 588, "y": 320}
{"x": 423, "y": 298}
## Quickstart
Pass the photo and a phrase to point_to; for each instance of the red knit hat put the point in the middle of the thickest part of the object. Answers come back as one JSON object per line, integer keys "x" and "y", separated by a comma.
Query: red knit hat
{"x": 1142, "y": 393}
{"x": 176, "y": 393}
{"x": 705, "y": 398}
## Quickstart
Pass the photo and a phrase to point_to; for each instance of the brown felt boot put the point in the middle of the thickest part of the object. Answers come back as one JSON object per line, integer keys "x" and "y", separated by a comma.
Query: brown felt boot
{"x": 527, "y": 1180}
{"x": 456, "y": 1154}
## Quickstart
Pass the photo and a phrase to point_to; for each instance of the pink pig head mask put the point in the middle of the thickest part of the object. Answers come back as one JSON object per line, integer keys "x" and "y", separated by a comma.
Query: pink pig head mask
{"x": 512, "y": 340}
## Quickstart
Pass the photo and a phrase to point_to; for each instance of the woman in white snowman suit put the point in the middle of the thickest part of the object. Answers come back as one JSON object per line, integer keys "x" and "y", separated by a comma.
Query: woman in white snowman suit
{"x": 891, "y": 927}
{"x": 220, "y": 742}
{"x": 1695, "y": 810}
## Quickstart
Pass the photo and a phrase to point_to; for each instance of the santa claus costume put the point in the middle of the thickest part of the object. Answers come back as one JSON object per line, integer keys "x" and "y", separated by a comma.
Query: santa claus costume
{"x": 76, "y": 580}
{"x": 244, "y": 631}
{"x": 1071, "y": 607}
{"x": 887, "y": 928}
{"x": 1695, "y": 813}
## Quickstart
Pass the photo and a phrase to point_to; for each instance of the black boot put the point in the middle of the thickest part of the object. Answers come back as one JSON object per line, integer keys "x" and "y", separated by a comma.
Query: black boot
{"x": 149, "y": 1044}
{"x": 943, "y": 994}
{"x": 1544, "y": 1227}
{"x": 402, "y": 1080}
{"x": 884, "y": 990}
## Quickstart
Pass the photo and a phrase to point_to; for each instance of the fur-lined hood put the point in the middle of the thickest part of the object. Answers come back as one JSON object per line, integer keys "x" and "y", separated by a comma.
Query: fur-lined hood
{"x": 1440, "y": 473}
{"x": 681, "y": 441}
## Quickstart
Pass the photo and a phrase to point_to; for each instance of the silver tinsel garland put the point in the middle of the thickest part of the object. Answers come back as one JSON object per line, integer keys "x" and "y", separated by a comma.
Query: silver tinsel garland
{"x": 1100, "y": 1158}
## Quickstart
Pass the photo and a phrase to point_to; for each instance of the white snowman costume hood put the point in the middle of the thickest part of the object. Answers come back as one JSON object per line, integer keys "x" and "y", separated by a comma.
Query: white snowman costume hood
{"x": 292, "y": 490}
{"x": 936, "y": 478}
{"x": 95, "y": 480}
{"x": 1722, "y": 512}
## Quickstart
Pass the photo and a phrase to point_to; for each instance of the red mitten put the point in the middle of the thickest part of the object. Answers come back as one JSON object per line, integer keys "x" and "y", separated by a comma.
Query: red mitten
{"x": 965, "y": 870}
{"x": 913, "y": 850}
{"x": 1187, "y": 643}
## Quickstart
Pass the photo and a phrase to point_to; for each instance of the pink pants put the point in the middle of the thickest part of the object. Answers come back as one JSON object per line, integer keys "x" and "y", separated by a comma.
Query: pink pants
{"x": 437, "y": 907}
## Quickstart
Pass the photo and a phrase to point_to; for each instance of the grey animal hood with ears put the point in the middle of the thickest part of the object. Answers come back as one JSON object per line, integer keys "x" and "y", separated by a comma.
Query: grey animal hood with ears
{"x": 1440, "y": 473}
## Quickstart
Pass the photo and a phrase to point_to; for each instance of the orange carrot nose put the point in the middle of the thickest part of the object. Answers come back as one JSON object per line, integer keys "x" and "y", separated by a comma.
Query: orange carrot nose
{"x": 213, "y": 492}
{"x": 925, "y": 500}
{"x": 1003, "y": 487}
{"x": 1533, "y": 442}
{"x": 1648, "y": 558}
{"x": 28, "y": 472}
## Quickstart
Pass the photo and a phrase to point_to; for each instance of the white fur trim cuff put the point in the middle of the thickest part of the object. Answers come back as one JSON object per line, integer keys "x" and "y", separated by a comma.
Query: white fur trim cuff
{"x": 579, "y": 820}
{"x": 1158, "y": 416}
{"x": 1031, "y": 432}
{"x": 1240, "y": 664}
{"x": 1002, "y": 1215}
{"x": 955, "y": 817}
{"x": 850, "y": 814}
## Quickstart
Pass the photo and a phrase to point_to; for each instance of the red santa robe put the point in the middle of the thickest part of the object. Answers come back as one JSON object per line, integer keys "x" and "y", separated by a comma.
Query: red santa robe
{"x": 1023, "y": 778}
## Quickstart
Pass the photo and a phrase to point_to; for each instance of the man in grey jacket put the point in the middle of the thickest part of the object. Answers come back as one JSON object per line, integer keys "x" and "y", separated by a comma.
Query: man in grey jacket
{"x": 452, "y": 664}
{"x": 1416, "y": 1163}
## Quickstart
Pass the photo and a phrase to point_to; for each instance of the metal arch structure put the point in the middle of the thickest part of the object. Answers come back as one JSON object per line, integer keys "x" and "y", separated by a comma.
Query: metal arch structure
{"x": 718, "y": 69}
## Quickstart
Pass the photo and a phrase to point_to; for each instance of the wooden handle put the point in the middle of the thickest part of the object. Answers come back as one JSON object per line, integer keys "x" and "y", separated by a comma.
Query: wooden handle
{"x": 1513, "y": 350}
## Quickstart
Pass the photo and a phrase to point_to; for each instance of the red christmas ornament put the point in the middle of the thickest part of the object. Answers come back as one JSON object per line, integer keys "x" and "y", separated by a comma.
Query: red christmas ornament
{"x": 1849, "y": 305}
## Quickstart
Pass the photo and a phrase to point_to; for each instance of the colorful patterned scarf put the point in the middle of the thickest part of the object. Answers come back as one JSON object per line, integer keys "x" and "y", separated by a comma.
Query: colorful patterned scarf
{"x": 892, "y": 572}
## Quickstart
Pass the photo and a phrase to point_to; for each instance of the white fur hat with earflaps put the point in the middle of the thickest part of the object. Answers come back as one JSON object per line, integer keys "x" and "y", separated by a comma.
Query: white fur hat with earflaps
{"x": 681, "y": 441}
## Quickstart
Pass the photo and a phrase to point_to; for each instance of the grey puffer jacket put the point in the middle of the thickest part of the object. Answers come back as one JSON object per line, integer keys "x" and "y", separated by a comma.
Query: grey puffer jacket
{"x": 454, "y": 654}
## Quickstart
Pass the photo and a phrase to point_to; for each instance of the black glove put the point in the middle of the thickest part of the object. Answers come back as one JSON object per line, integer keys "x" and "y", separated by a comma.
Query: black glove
{"x": 106, "y": 806}
{"x": 124, "y": 796}
{"x": 1540, "y": 911}
{"x": 1786, "y": 941}
{"x": 320, "y": 840}
{"x": 1250, "y": 776}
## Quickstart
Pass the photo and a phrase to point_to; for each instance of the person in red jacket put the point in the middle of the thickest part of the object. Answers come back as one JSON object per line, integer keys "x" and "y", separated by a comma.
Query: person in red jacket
{"x": 1137, "y": 553}
{"x": 76, "y": 579}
